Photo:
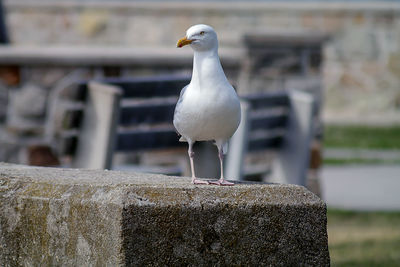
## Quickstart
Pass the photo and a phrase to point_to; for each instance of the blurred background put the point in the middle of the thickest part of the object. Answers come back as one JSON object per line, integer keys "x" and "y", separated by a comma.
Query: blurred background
{"x": 345, "y": 54}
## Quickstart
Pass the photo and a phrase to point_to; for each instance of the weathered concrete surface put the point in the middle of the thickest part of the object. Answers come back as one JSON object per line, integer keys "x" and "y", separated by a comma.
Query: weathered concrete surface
{"x": 74, "y": 217}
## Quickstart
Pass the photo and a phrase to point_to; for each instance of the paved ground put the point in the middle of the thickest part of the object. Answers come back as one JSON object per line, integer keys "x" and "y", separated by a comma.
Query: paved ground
{"x": 362, "y": 187}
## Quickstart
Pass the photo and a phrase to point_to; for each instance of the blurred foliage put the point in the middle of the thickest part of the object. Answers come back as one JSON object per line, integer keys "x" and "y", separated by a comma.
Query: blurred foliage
{"x": 364, "y": 238}
{"x": 367, "y": 137}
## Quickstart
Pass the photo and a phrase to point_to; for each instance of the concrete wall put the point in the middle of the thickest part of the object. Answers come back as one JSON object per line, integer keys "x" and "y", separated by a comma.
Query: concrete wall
{"x": 362, "y": 59}
{"x": 67, "y": 217}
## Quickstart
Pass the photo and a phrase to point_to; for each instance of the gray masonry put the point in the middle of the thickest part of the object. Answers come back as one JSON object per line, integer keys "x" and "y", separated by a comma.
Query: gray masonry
{"x": 361, "y": 60}
{"x": 68, "y": 217}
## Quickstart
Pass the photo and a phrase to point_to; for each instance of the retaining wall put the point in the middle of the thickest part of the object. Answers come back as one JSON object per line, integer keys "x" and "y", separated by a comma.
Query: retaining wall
{"x": 72, "y": 217}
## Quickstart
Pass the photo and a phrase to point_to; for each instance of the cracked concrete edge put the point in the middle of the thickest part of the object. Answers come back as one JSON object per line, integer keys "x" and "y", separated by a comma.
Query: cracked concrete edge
{"x": 157, "y": 189}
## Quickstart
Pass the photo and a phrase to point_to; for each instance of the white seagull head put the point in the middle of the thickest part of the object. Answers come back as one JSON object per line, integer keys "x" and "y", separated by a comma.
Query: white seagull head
{"x": 201, "y": 37}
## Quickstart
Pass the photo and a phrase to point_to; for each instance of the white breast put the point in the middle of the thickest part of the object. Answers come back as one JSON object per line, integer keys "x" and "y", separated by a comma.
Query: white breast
{"x": 208, "y": 114}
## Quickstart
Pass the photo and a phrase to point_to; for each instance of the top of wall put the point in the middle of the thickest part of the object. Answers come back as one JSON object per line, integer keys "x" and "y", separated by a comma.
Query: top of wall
{"x": 178, "y": 6}
{"x": 158, "y": 188}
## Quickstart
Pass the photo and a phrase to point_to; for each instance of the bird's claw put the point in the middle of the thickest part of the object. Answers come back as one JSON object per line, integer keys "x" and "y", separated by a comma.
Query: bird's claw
{"x": 198, "y": 181}
{"x": 222, "y": 182}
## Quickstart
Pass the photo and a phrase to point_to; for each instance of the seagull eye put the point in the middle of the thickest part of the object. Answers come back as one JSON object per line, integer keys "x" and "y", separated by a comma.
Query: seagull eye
{"x": 202, "y": 33}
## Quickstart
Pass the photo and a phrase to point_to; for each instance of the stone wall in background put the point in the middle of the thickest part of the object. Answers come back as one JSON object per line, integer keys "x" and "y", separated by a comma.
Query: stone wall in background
{"x": 362, "y": 57}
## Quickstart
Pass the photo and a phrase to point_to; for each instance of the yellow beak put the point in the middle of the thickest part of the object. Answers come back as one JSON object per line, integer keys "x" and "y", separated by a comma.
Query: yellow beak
{"x": 184, "y": 41}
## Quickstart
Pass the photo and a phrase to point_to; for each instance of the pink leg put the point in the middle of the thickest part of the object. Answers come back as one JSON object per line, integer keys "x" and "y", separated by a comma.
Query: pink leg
{"x": 191, "y": 157}
{"x": 221, "y": 180}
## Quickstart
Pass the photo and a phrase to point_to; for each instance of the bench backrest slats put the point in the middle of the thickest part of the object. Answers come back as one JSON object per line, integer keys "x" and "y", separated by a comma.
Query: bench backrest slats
{"x": 261, "y": 144}
{"x": 283, "y": 121}
{"x": 268, "y": 121}
{"x": 141, "y": 87}
{"x": 268, "y": 111}
{"x": 266, "y": 138}
{"x": 144, "y": 101}
{"x": 145, "y": 87}
{"x": 151, "y": 139}
{"x": 269, "y": 99}
{"x": 148, "y": 101}
{"x": 267, "y": 115}
{"x": 150, "y": 112}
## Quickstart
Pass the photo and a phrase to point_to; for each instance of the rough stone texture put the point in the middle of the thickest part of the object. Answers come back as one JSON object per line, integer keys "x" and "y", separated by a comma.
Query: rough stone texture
{"x": 74, "y": 217}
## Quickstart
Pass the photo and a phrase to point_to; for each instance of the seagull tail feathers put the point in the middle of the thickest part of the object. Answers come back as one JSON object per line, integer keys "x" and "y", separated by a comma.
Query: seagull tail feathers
{"x": 225, "y": 148}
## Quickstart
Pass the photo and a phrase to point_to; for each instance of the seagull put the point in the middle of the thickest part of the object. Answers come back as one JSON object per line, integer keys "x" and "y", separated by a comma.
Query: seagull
{"x": 208, "y": 108}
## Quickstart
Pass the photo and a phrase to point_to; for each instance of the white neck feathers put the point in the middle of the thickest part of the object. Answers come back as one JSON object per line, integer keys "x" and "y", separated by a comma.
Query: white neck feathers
{"x": 207, "y": 70}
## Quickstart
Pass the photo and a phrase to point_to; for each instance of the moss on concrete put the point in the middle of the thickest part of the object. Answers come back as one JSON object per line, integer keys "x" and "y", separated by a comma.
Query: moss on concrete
{"x": 70, "y": 217}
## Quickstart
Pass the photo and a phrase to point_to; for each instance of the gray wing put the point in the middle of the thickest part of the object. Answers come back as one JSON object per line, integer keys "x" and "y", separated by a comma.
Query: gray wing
{"x": 177, "y": 108}
{"x": 181, "y": 96}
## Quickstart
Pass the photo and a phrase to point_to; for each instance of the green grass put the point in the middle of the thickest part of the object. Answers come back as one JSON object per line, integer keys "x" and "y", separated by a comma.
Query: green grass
{"x": 364, "y": 238}
{"x": 334, "y": 161}
{"x": 361, "y": 137}
{"x": 367, "y": 137}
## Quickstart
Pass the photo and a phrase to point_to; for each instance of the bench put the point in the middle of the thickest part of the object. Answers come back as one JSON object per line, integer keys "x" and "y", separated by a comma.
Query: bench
{"x": 281, "y": 121}
{"x": 116, "y": 115}
{"x": 125, "y": 115}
